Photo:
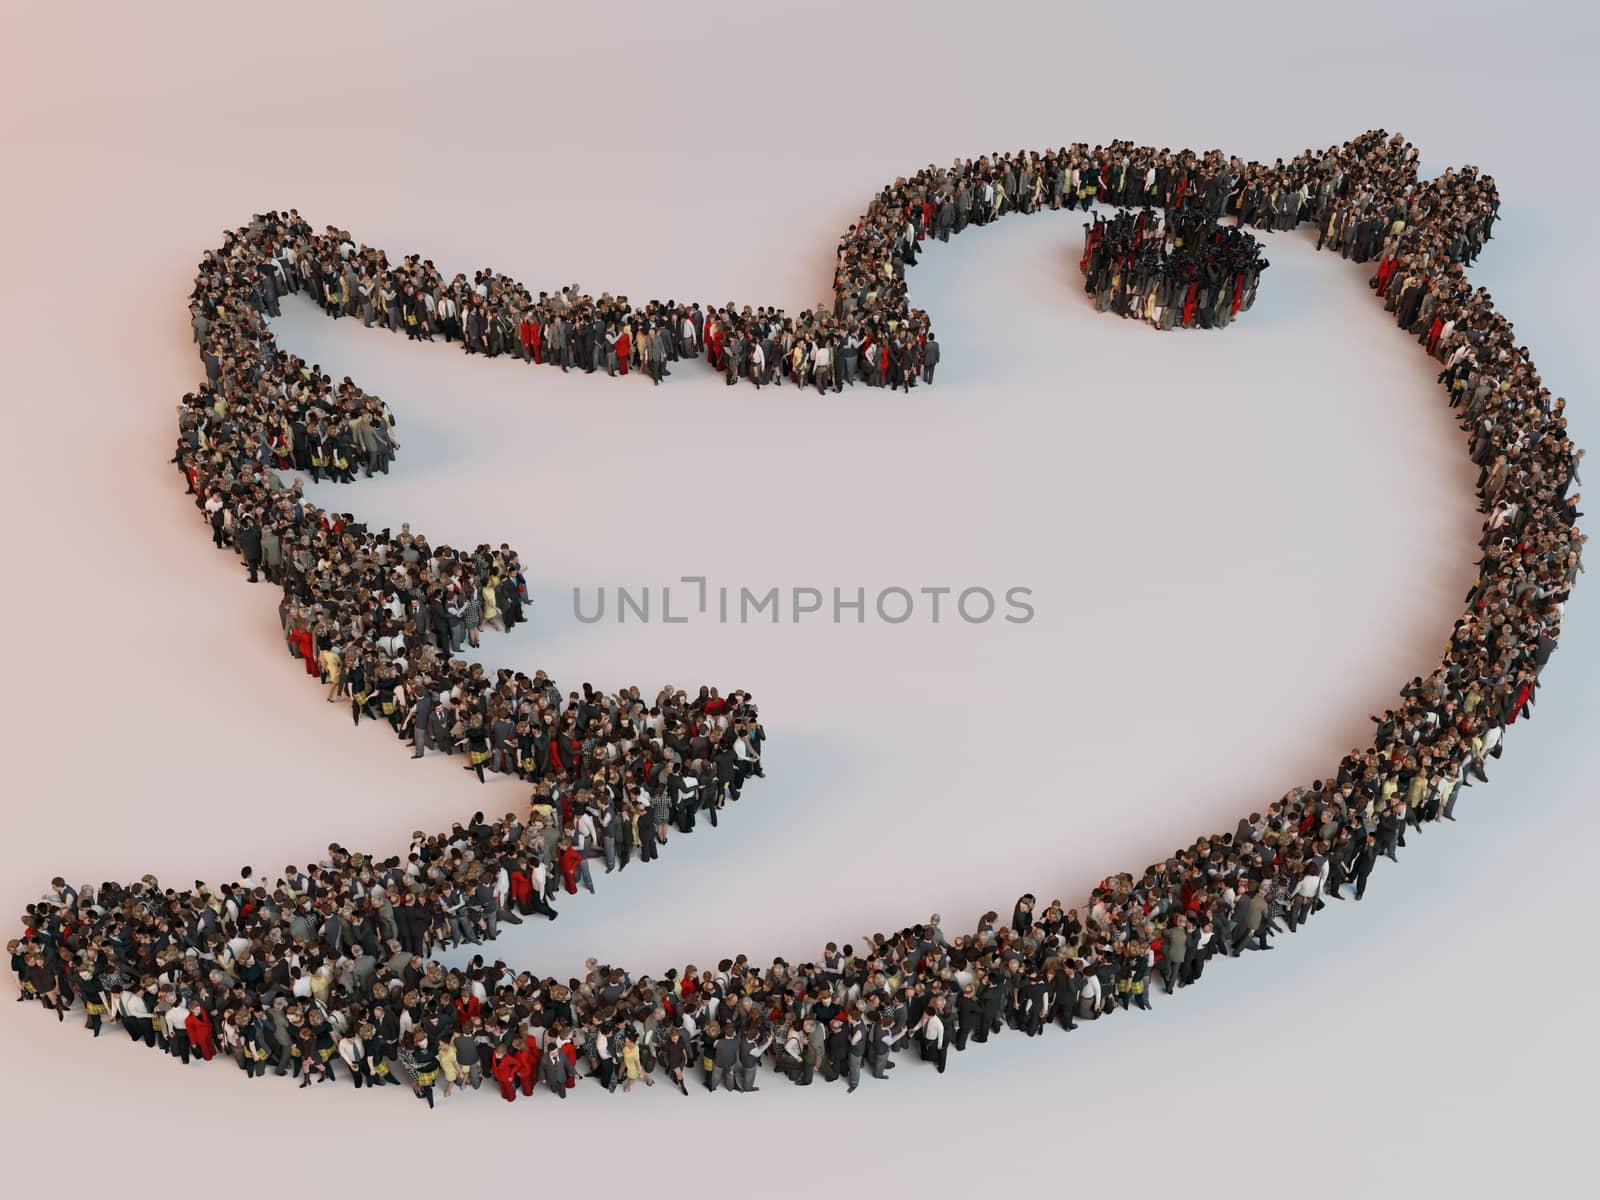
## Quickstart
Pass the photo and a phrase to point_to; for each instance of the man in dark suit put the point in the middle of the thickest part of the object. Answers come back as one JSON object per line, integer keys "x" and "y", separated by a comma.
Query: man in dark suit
{"x": 969, "y": 1016}
{"x": 725, "y": 1058}
{"x": 1245, "y": 834}
{"x": 646, "y": 828}
{"x": 247, "y": 537}
{"x": 1031, "y": 1003}
{"x": 1391, "y": 826}
{"x": 583, "y": 329}
{"x": 510, "y": 602}
{"x": 556, "y": 1071}
{"x": 993, "y": 991}
{"x": 1065, "y": 986}
{"x": 836, "y": 1050}
{"x": 1366, "y": 857}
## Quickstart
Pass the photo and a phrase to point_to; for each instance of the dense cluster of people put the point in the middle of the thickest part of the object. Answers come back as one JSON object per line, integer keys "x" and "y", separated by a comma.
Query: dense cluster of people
{"x": 1183, "y": 271}
{"x": 494, "y": 315}
{"x": 323, "y": 972}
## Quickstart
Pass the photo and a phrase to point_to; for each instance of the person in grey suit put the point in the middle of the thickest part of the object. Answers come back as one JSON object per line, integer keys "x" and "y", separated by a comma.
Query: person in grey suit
{"x": 1174, "y": 949}
{"x": 421, "y": 710}
{"x": 281, "y": 1037}
{"x": 1251, "y": 920}
{"x": 556, "y": 1072}
{"x": 930, "y": 359}
{"x": 750, "y": 1052}
{"x": 272, "y": 551}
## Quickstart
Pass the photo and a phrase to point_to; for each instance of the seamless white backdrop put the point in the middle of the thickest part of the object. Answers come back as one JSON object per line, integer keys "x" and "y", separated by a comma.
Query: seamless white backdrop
{"x": 1239, "y": 545}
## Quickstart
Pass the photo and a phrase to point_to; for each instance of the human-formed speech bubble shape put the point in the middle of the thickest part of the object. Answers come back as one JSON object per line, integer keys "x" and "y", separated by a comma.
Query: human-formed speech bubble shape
{"x": 263, "y": 411}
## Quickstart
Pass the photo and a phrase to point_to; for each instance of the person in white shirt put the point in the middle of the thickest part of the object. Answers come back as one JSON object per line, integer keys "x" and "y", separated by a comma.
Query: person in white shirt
{"x": 174, "y": 1028}
{"x": 354, "y": 1053}
{"x": 931, "y": 1031}
{"x": 1304, "y": 895}
{"x": 1090, "y": 997}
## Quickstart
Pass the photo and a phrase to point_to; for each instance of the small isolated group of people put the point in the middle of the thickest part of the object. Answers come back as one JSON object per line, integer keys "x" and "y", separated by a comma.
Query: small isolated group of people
{"x": 1184, "y": 271}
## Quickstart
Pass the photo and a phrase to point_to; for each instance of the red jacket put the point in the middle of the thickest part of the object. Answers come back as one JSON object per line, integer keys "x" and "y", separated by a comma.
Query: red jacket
{"x": 521, "y": 887}
{"x": 528, "y": 1061}
{"x": 506, "y": 1066}
{"x": 198, "y": 1027}
{"x": 570, "y": 858}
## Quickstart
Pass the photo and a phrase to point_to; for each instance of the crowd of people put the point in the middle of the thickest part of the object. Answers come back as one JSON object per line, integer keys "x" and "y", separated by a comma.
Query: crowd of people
{"x": 1179, "y": 271}
{"x": 323, "y": 972}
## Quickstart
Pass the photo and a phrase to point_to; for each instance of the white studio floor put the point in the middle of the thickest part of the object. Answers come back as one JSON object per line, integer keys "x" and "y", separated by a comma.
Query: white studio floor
{"x": 1239, "y": 544}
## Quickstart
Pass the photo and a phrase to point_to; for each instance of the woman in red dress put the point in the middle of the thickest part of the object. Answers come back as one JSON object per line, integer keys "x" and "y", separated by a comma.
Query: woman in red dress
{"x": 527, "y": 1056}
{"x": 531, "y": 335}
{"x": 507, "y": 1069}
{"x": 624, "y": 349}
{"x": 300, "y": 639}
{"x": 714, "y": 344}
{"x": 570, "y": 858}
{"x": 201, "y": 1036}
{"x": 1385, "y": 273}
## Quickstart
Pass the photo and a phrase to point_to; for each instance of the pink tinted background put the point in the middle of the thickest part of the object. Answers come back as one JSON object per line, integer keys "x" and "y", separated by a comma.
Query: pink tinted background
{"x": 1239, "y": 545}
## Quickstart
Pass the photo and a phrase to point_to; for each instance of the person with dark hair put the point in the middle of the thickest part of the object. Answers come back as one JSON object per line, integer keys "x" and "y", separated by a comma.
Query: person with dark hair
{"x": 1366, "y": 857}
{"x": 425, "y": 1061}
{"x": 555, "y": 1071}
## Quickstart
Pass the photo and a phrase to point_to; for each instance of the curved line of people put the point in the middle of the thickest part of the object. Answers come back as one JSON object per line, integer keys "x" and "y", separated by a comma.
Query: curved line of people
{"x": 327, "y": 965}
